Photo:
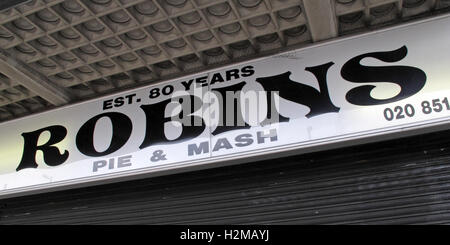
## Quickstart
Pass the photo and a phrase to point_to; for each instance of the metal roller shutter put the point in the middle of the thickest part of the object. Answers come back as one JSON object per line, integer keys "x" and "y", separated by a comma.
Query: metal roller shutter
{"x": 396, "y": 182}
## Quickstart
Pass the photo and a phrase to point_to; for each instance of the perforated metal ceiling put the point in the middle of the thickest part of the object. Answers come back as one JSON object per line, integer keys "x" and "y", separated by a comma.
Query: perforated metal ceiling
{"x": 56, "y": 52}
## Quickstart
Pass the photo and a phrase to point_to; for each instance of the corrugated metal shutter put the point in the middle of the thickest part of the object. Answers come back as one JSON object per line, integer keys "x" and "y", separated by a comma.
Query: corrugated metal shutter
{"x": 402, "y": 181}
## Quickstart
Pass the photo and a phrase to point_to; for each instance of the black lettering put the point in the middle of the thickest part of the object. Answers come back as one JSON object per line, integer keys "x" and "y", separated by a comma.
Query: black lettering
{"x": 224, "y": 113}
{"x": 118, "y": 102}
{"x": 155, "y": 121}
{"x": 121, "y": 132}
{"x": 203, "y": 81}
{"x": 410, "y": 79}
{"x": 217, "y": 77}
{"x": 52, "y": 156}
{"x": 130, "y": 98}
{"x": 167, "y": 90}
{"x": 154, "y": 114}
{"x": 187, "y": 84}
{"x": 318, "y": 101}
{"x": 107, "y": 104}
{"x": 234, "y": 73}
{"x": 247, "y": 71}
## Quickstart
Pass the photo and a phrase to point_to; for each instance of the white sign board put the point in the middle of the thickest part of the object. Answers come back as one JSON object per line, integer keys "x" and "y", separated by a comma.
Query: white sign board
{"x": 352, "y": 88}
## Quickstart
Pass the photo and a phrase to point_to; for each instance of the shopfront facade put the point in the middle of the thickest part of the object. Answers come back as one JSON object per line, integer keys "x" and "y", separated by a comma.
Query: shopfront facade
{"x": 348, "y": 131}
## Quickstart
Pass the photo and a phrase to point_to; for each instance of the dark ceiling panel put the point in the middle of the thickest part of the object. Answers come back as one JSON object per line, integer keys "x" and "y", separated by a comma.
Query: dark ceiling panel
{"x": 4, "y": 4}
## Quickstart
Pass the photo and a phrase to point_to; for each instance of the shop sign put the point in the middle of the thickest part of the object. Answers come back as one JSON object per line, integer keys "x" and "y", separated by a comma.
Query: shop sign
{"x": 341, "y": 91}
